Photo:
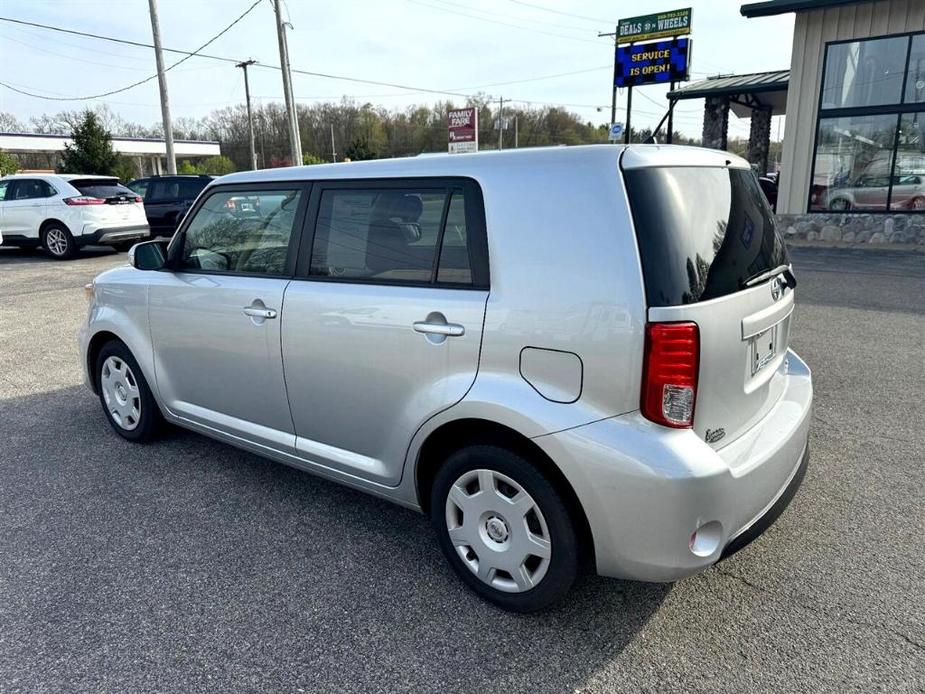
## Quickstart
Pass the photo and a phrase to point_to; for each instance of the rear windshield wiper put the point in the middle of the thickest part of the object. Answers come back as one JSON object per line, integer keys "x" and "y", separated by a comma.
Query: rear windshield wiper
{"x": 768, "y": 274}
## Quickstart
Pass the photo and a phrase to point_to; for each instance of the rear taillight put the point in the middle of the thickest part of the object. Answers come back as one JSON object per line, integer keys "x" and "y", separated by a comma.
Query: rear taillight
{"x": 669, "y": 373}
{"x": 137, "y": 198}
{"x": 84, "y": 200}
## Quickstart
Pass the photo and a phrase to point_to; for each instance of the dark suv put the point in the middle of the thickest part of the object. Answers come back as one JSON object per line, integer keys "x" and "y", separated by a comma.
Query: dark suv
{"x": 167, "y": 198}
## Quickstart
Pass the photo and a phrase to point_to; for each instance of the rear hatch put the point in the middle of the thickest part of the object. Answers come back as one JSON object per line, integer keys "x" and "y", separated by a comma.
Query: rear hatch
{"x": 711, "y": 254}
{"x": 114, "y": 205}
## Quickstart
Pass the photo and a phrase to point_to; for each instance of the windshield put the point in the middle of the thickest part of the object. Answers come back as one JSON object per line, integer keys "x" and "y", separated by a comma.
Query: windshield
{"x": 702, "y": 232}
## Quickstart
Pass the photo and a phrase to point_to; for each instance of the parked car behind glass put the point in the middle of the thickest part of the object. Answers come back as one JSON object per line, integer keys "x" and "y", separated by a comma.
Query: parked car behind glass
{"x": 561, "y": 355}
{"x": 167, "y": 199}
{"x": 64, "y": 212}
{"x": 870, "y": 192}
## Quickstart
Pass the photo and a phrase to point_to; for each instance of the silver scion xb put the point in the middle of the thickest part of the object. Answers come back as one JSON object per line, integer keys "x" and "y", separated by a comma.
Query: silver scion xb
{"x": 561, "y": 355}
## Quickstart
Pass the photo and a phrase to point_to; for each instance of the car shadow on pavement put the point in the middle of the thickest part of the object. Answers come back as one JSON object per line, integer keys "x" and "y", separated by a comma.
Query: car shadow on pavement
{"x": 37, "y": 255}
{"x": 189, "y": 561}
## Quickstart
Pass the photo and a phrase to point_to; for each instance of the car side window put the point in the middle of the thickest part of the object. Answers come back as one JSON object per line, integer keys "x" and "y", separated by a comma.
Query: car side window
{"x": 140, "y": 187}
{"x": 163, "y": 191}
{"x": 392, "y": 235}
{"x": 29, "y": 188}
{"x": 454, "y": 265}
{"x": 245, "y": 232}
{"x": 4, "y": 186}
{"x": 48, "y": 189}
{"x": 188, "y": 190}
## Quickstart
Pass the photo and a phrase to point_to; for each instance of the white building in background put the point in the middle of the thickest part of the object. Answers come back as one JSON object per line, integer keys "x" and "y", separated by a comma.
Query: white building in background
{"x": 43, "y": 152}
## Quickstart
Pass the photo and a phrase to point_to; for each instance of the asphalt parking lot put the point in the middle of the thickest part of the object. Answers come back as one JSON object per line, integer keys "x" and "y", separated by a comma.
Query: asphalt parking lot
{"x": 189, "y": 566}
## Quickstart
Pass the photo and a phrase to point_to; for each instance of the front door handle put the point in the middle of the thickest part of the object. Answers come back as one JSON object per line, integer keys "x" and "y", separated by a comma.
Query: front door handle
{"x": 445, "y": 329}
{"x": 259, "y": 312}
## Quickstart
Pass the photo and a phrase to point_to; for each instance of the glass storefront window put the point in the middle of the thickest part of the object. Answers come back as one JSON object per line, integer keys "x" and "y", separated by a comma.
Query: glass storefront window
{"x": 909, "y": 174}
{"x": 864, "y": 73}
{"x": 870, "y": 142}
{"x": 853, "y": 164}
{"x": 915, "y": 82}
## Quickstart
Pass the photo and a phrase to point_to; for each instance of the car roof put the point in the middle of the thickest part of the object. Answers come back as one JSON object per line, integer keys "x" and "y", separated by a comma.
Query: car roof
{"x": 71, "y": 177}
{"x": 444, "y": 164}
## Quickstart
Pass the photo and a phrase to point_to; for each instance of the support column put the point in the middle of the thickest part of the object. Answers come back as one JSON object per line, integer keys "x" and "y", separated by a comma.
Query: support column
{"x": 759, "y": 139}
{"x": 715, "y": 122}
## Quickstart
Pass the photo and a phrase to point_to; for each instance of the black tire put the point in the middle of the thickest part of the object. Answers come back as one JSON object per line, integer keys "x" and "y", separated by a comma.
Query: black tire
{"x": 840, "y": 205}
{"x": 62, "y": 246}
{"x": 149, "y": 421}
{"x": 564, "y": 561}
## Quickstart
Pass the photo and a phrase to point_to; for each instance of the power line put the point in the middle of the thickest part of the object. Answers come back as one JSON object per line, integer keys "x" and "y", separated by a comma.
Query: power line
{"x": 112, "y": 39}
{"x": 507, "y": 24}
{"x": 596, "y": 20}
{"x": 199, "y": 54}
{"x": 521, "y": 18}
{"x": 146, "y": 79}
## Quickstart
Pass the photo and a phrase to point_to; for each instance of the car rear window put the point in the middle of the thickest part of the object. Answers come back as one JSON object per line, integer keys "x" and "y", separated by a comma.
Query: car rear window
{"x": 101, "y": 187}
{"x": 703, "y": 232}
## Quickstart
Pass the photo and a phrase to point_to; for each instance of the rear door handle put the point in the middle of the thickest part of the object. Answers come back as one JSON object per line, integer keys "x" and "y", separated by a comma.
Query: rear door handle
{"x": 445, "y": 329}
{"x": 258, "y": 312}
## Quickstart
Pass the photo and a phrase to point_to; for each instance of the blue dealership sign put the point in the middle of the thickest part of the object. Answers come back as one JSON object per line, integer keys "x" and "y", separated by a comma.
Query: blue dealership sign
{"x": 652, "y": 63}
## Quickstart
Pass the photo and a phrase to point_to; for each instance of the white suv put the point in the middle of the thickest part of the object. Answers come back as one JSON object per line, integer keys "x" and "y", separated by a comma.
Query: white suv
{"x": 64, "y": 212}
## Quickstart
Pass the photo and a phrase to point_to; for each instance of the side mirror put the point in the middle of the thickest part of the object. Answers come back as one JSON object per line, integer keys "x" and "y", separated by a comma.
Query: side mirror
{"x": 149, "y": 255}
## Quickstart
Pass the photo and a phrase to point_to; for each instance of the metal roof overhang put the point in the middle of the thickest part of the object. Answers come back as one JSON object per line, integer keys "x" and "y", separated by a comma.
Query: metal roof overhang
{"x": 773, "y": 7}
{"x": 745, "y": 92}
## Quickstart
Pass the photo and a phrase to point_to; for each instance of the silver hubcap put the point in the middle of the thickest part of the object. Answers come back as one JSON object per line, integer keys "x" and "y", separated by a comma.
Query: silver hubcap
{"x": 56, "y": 241}
{"x": 120, "y": 393}
{"x": 498, "y": 530}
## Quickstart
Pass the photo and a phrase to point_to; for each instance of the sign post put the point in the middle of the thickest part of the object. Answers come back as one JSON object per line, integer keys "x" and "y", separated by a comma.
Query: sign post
{"x": 463, "y": 130}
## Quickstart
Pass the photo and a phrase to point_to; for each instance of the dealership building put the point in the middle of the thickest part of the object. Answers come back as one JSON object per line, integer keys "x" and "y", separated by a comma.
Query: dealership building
{"x": 853, "y": 163}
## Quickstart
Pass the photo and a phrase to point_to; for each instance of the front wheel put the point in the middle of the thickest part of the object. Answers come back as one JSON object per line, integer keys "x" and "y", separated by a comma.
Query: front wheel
{"x": 124, "y": 394}
{"x": 504, "y": 528}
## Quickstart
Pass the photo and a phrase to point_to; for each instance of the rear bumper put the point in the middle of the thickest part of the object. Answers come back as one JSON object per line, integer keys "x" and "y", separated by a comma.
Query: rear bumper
{"x": 104, "y": 236}
{"x": 647, "y": 489}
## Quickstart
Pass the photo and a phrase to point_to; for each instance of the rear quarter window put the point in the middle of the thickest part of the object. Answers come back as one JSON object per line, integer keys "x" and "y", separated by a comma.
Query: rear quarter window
{"x": 702, "y": 232}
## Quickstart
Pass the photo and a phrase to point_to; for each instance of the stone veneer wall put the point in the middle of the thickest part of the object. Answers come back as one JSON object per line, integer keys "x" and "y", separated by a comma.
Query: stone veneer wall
{"x": 854, "y": 228}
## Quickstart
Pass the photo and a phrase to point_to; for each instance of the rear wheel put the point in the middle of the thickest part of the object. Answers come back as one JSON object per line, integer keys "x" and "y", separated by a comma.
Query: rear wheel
{"x": 125, "y": 395}
{"x": 840, "y": 205}
{"x": 504, "y": 528}
{"x": 917, "y": 203}
{"x": 58, "y": 242}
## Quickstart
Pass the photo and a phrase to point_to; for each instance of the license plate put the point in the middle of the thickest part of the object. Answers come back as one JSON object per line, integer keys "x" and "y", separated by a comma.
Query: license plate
{"x": 763, "y": 348}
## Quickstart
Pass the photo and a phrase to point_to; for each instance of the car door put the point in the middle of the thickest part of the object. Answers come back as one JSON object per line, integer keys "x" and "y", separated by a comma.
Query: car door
{"x": 383, "y": 324}
{"x": 24, "y": 206}
{"x": 162, "y": 202}
{"x": 215, "y": 314}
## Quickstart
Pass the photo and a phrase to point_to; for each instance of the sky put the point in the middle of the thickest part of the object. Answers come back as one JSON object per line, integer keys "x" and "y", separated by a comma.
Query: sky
{"x": 513, "y": 49}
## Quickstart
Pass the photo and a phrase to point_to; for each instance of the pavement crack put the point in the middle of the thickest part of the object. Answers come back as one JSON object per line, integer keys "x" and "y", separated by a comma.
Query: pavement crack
{"x": 819, "y": 611}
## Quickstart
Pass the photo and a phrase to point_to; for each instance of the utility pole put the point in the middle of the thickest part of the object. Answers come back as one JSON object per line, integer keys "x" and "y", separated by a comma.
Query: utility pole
{"x": 250, "y": 116}
{"x": 516, "y": 144}
{"x": 501, "y": 124}
{"x": 295, "y": 142}
{"x": 333, "y": 151}
{"x": 162, "y": 85}
{"x": 613, "y": 84}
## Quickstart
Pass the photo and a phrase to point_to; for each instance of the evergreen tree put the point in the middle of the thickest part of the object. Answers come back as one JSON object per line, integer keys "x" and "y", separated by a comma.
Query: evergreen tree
{"x": 90, "y": 151}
